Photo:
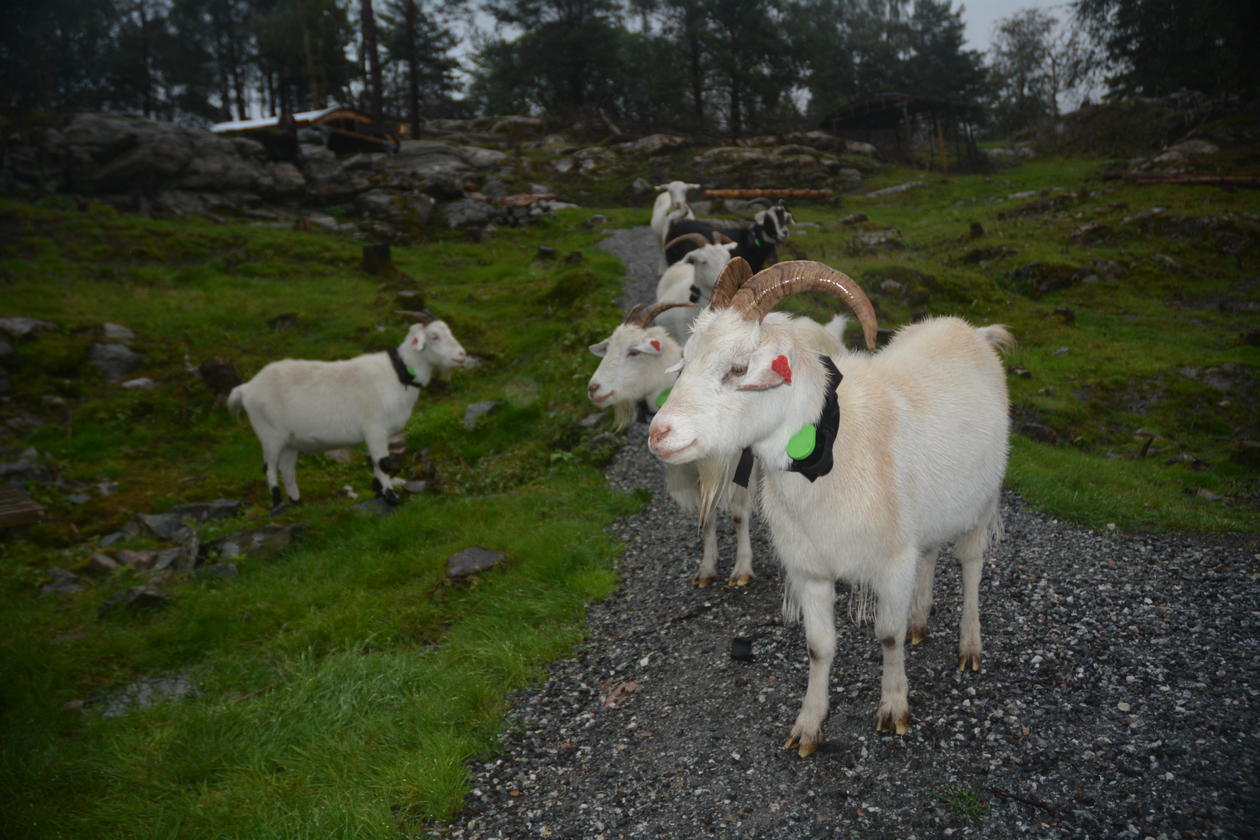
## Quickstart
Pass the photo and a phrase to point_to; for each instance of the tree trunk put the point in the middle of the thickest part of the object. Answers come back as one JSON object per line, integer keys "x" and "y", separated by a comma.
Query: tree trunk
{"x": 411, "y": 17}
{"x": 373, "y": 58}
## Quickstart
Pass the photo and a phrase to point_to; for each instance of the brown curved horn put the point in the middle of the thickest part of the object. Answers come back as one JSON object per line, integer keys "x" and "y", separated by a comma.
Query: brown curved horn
{"x": 688, "y": 237}
{"x": 720, "y": 238}
{"x": 734, "y": 275}
{"x": 771, "y": 285}
{"x": 643, "y": 317}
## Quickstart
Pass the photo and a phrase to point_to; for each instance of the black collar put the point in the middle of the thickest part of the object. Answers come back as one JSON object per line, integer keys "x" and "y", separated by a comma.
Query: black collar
{"x": 819, "y": 462}
{"x": 405, "y": 376}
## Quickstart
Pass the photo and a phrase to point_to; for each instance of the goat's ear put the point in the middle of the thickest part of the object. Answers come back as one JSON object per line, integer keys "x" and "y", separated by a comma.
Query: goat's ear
{"x": 600, "y": 349}
{"x": 730, "y": 246}
{"x": 649, "y": 347}
{"x": 769, "y": 367}
{"x": 416, "y": 337}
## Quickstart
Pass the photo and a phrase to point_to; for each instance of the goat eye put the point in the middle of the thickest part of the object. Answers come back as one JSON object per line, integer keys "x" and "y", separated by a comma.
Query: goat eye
{"x": 632, "y": 353}
{"x": 739, "y": 370}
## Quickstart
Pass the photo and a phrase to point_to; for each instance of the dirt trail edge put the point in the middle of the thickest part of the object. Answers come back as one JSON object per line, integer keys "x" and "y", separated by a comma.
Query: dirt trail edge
{"x": 1118, "y": 696}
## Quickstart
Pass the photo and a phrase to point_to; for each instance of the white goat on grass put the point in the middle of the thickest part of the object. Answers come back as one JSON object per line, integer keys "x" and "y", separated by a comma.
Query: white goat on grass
{"x": 864, "y": 479}
{"x": 297, "y": 405}
{"x": 691, "y": 280}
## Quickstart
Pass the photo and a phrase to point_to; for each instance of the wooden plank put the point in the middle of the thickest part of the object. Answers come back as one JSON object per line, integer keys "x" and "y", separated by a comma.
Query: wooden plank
{"x": 17, "y": 508}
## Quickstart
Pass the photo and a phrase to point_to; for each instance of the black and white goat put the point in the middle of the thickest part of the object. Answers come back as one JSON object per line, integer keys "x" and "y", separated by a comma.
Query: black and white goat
{"x": 297, "y": 405}
{"x": 756, "y": 243}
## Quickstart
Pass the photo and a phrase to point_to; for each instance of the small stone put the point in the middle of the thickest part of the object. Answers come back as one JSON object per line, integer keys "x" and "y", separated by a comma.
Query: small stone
{"x": 100, "y": 565}
{"x": 341, "y": 456}
{"x": 741, "y": 649}
{"x": 144, "y": 383}
{"x": 591, "y": 420}
{"x": 546, "y": 252}
{"x": 78, "y": 498}
{"x": 478, "y": 410}
{"x": 162, "y": 525}
{"x": 119, "y": 333}
{"x": 375, "y": 507}
{"x": 134, "y": 600}
{"x": 415, "y": 486}
{"x": 64, "y": 582}
{"x": 222, "y": 571}
{"x": 1124, "y": 707}
{"x": 136, "y": 559}
{"x": 472, "y": 560}
{"x": 166, "y": 558}
{"x": 111, "y": 539}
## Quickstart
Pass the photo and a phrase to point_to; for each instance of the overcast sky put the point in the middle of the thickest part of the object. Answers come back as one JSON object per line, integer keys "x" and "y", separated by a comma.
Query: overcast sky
{"x": 981, "y": 15}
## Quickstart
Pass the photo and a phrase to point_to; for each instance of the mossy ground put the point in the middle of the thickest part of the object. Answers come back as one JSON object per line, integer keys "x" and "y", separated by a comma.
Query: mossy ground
{"x": 344, "y": 685}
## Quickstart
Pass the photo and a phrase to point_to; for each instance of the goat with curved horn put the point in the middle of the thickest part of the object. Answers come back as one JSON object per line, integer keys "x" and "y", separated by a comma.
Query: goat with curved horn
{"x": 760, "y": 294}
{"x": 733, "y": 276}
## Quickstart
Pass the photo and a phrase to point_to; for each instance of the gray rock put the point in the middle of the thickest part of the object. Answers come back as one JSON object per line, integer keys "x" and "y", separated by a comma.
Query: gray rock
{"x": 135, "y": 599}
{"x": 208, "y": 511}
{"x": 146, "y": 692}
{"x": 111, "y": 539}
{"x": 144, "y": 383}
{"x": 478, "y": 410}
{"x": 262, "y": 543}
{"x": 374, "y": 507}
{"x": 653, "y": 144}
{"x": 118, "y": 333}
{"x": 78, "y": 498}
{"x": 64, "y": 582}
{"x": 469, "y": 213}
{"x": 472, "y": 560}
{"x": 222, "y": 571}
{"x": 899, "y": 188}
{"x": 162, "y": 525}
{"x": 114, "y": 361}
{"x": 866, "y": 242}
{"x": 166, "y": 558}
{"x": 415, "y": 486}
{"x": 100, "y": 565}
{"x": 141, "y": 560}
{"x": 23, "y": 327}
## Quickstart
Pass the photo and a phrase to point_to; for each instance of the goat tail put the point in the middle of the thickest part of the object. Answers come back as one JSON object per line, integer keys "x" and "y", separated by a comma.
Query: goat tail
{"x": 998, "y": 336}
{"x": 235, "y": 400}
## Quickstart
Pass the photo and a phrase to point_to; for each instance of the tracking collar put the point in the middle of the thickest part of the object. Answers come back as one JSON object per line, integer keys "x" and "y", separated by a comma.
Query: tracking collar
{"x": 405, "y": 375}
{"x": 810, "y": 449}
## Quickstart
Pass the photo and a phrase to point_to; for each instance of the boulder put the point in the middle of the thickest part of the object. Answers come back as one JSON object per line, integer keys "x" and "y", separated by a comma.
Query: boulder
{"x": 24, "y": 327}
{"x": 114, "y": 361}
{"x": 477, "y": 410}
{"x": 471, "y": 561}
{"x": 117, "y": 333}
{"x": 63, "y": 582}
{"x": 262, "y": 543}
{"x": 653, "y": 144}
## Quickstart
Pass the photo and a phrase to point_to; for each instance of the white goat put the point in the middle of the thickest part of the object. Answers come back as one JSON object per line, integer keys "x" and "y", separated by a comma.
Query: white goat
{"x": 918, "y": 434}
{"x": 670, "y": 206}
{"x": 297, "y": 405}
{"x": 691, "y": 280}
{"x": 635, "y": 365}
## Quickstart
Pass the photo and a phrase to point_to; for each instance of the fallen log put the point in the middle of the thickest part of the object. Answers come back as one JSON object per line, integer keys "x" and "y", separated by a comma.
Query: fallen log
{"x": 768, "y": 193}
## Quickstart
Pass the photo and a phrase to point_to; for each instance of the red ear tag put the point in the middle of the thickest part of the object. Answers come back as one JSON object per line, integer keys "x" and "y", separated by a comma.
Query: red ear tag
{"x": 656, "y": 345}
{"x": 780, "y": 366}
{"x": 415, "y": 340}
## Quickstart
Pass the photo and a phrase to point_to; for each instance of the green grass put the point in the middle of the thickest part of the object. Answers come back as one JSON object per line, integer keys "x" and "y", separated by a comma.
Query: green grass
{"x": 344, "y": 686}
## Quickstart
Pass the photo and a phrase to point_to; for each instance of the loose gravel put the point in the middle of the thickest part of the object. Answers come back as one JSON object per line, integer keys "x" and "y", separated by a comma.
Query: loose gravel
{"x": 1118, "y": 695}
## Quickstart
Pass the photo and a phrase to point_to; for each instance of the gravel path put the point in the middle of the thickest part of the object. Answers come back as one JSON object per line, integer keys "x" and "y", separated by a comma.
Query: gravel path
{"x": 1118, "y": 696}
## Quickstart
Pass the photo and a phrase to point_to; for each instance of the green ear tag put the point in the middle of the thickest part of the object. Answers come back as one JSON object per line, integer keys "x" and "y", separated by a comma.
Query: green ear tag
{"x": 662, "y": 396}
{"x": 801, "y": 444}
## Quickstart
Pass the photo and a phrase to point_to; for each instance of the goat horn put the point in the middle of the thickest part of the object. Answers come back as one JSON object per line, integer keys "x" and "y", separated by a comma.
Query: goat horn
{"x": 771, "y": 285}
{"x": 643, "y": 317}
{"x": 734, "y": 275}
{"x": 697, "y": 238}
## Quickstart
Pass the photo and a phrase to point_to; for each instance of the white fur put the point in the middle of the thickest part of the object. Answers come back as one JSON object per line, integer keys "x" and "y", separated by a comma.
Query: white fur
{"x": 919, "y": 461}
{"x": 670, "y": 206}
{"x": 699, "y": 269}
{"x": 296, "y": 405}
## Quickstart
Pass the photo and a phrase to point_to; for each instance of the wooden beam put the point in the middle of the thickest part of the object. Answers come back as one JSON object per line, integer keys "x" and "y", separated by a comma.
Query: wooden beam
{"x": 768, "y": 193}
{"x": 17, "y": 508}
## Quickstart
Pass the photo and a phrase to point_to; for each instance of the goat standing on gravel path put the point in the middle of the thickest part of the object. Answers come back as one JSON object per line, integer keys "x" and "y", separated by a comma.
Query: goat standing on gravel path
{"x": 866, "y": 472}
{"x": 297, "y": 405}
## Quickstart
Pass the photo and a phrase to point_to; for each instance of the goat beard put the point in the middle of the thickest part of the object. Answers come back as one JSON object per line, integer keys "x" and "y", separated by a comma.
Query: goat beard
{"x": 716, "y": 481}
{"x": 624, "y": 414}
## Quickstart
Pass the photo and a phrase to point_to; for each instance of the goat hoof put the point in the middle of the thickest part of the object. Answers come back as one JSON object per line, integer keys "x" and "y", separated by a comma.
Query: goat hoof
{"x": 917, "y": 635}
{"x": 969, "y": 660}
{"x": 742, "y": 580}
{"x": 884, "y": 722}
{"x": 702, "y": 582}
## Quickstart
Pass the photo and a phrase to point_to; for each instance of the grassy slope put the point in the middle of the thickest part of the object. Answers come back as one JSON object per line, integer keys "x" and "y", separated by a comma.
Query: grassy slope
{"x": 1139, "y": 331}
{"x": 344, "y": 685}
